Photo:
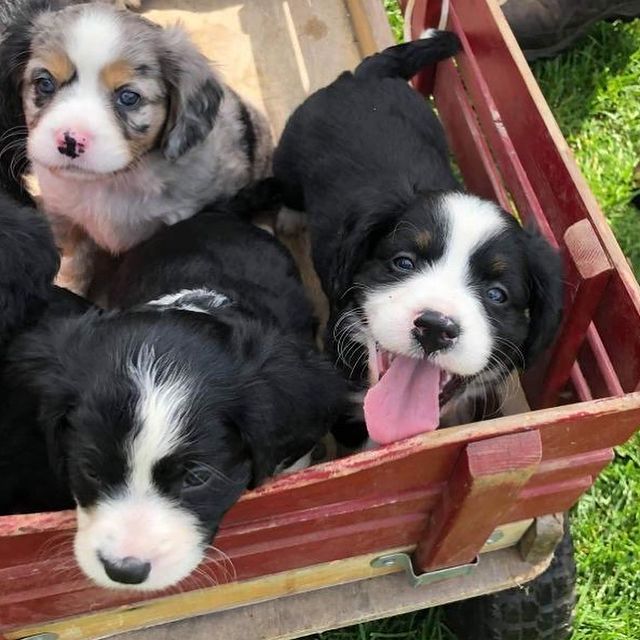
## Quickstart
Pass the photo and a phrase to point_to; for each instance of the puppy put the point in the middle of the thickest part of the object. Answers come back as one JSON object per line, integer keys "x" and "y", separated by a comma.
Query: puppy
{"x": 129, "y": 128}
{"x": 166, "y": 413}
{"x": 435, "y": 294}
{"x": 14, "y": 15}
{"x": 218, "y": 259}
{"x": 28, "y": 262}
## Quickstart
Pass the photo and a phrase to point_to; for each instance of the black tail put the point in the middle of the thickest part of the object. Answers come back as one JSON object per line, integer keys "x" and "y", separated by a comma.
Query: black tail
{"x": 405, "y": 60}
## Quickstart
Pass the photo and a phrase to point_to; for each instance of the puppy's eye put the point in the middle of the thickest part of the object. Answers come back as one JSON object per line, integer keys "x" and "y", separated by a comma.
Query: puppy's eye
{"x": 127, "y": 98}
{"x": 196, "y": 477}
{"x": 403, "y": 263}
{"x": 497, "y": 295}
{"x": 91, "y": 474}
{"x": 45, "y": 85}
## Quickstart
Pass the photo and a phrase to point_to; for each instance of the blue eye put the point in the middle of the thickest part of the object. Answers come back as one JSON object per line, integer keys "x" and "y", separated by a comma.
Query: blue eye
{"x": 404, "y": 263}
{"x": 45, "y": 85}
{"x": 196, "y": 477}
{"x": 127, "y": 98}
{"x": 497, "y": 295}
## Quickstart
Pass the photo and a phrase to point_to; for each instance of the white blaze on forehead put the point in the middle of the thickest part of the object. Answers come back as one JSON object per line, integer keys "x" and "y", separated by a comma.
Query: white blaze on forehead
{"x": 173, "y": 537}
{"x": 161, "y": 411}
{"x": 472, "y": 222}
{"x": 94, "y": 41}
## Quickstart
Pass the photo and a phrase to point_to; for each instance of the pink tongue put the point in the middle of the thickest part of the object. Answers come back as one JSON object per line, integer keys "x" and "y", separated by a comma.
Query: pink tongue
{"x": 404, "y": 402}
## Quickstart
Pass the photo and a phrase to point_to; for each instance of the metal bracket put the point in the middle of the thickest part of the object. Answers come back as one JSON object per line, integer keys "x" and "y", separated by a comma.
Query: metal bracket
{"x": 403, "y": 561}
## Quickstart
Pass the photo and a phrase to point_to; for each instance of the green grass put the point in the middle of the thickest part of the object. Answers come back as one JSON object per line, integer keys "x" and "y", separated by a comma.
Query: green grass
{"x": 594, "y": 92}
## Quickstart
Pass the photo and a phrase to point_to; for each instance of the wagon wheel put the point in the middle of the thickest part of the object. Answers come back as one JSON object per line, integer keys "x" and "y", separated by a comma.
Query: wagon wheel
{"x": 539, "y": 610}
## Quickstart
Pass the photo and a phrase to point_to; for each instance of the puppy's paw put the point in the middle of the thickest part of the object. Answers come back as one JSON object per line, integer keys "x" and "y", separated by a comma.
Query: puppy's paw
{"x": 291, "y": 222}
{"x": 128, "y": 4}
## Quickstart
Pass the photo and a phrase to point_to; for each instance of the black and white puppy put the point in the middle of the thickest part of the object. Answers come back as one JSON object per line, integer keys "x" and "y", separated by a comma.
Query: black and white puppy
{"x": 166, "y": 413}
{"x": 440, "y": 291}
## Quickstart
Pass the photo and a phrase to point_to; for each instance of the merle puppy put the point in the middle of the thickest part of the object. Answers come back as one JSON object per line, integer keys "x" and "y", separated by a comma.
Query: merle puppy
{"x": 435, "y": 295}
{"x": 166, "y": 412}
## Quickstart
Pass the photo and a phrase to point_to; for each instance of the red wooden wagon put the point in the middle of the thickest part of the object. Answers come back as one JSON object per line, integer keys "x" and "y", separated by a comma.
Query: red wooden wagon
{"x": 444, "y": 499}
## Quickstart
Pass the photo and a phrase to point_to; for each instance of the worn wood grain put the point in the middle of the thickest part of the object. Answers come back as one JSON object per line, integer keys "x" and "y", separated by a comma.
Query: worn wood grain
{"x": 485, "y": 483}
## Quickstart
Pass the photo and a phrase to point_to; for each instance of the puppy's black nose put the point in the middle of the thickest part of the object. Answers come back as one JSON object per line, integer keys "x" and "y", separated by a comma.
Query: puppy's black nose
{"x": 126, "y": 571}
{"x": 69, "y": 146}
{"x": 435, "y": 331}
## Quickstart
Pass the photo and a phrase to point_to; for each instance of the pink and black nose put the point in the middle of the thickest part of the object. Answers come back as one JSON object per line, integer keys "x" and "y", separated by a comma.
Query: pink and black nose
{"x": 126, "y": 570}
{"x": 71, "y": 143}
{"x": 435, "y": 331}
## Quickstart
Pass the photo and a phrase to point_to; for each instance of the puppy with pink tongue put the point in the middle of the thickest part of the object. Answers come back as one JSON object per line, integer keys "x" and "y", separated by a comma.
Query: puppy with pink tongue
{"x": 435, "y": 295}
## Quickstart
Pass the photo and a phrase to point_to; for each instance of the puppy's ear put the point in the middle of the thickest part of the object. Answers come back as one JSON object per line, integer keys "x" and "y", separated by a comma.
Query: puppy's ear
{"x": 291, "y": 401}
{"x": 195, "y": 93}
{"x": 40, "y": 363}
{"x": 15, "y": 45}
{"x": 546, "y": 276}
{"x": 367, "y": 221}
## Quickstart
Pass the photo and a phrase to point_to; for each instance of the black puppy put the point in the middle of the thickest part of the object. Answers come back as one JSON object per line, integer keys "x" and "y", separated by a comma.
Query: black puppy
{"x": 438, "y": 290}
{"x": 29, "y": 261}
{"x": 167, "y": 412}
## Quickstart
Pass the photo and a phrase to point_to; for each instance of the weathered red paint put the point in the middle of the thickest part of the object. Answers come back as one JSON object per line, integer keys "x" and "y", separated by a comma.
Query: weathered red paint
{"x": 486, "y": 481}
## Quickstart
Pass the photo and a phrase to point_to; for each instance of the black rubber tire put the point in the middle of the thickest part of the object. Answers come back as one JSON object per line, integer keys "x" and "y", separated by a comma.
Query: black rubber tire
{"x": 539, "y": 610}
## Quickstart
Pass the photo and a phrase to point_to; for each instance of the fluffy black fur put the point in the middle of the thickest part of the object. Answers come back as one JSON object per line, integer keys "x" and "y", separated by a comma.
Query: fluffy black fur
{"x": 357, "y": 153}
{"x": 219, "y": 249}
{"x": 29, "y": 481}
{"x": 261, "y": 396}
{"x": 366, "y": 158}
{"x": 16, "y": 17}
{"x": 29, "y": 261}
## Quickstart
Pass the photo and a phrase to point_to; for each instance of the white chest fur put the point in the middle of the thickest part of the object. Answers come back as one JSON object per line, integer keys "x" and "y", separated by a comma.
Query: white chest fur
{"x": 117, "y": 212}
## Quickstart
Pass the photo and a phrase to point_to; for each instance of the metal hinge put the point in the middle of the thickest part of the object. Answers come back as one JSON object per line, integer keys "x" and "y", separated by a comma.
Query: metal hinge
{"x": 403, "y": 561}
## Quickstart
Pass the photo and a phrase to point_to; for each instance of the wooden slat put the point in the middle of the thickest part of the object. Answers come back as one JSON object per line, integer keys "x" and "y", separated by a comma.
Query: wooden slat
{"x": 554, "y": 470}
{"x": 588, "y": 272}
{"x": 485, "y": 483}
{"x": 565, "y": 431}
{"x": 551, "y": 169}
{"x": 497, "y": 135}
{"x": 296, "y": 612}
{"x": 370, "y": 26}
{"x": 580, "y": 384}
{"x": 465, "y": 137}
{"x": 548, "y": 498}
{"x": 598, "y": 370}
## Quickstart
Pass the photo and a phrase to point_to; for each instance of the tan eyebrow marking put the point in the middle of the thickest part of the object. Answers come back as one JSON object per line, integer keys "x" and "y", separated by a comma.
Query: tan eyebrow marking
{"x": 499, "y": 265}
{"x": 117, "y": 74}
{"x": 58, "y": 64}
{"x": 423, "y": 239}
